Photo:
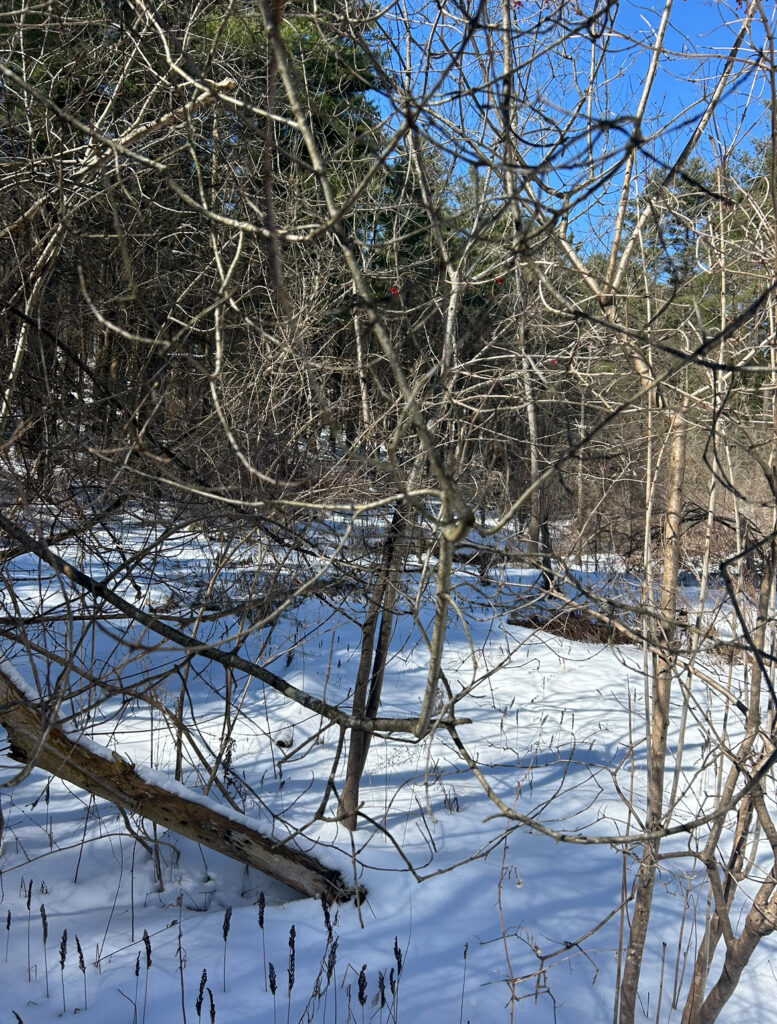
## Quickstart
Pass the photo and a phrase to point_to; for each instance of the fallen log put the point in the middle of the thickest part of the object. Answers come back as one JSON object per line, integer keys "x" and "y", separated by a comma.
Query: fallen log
{"x": 35, "y": 735}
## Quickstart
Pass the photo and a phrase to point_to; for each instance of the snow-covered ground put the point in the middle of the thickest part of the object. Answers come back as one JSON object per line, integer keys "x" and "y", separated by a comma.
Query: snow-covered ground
{"x": 467, "y": 917}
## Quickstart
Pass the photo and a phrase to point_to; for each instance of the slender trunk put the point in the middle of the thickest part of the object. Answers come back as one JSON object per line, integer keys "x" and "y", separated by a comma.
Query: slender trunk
{"x": 697, "y": 1009}
{"x": 361, "y": 370}
{"x": 372, "y": 662}
{"x": 759, "y": 922}
{"x": 539, "y": 533}
{"x": 659, "y": 721}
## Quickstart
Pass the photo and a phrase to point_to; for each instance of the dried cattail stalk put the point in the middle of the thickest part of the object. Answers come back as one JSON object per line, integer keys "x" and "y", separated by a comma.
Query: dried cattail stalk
{"x": 225, "y": 932}
{"x": 137, "y": 982}
{"x": 201, "y": 993}
{"x": 292, "y": 958}
{"x": 261, "y": 925}
{"x": 147, "y": 944}
{"x": 327, "y": 917}
{"x": 62, "y": 961}
{"x": 82, "y": 969}
{"x": 362, "y": 992}
{"x": 29, "y": 962}
{"x": 273, "y": 988}
{"x": 398, "y": 956}
{"x": 45, "y": 928}
{"x": 331, "y": 961}
{"x": 261, "y": 910}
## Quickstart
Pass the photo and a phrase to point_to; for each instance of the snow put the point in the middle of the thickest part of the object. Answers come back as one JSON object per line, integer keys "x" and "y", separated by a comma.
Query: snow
{"x": 492, "y": 920}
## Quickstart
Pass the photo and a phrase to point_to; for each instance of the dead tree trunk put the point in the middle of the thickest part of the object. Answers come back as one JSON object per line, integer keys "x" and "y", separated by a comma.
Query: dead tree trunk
{"x": 35, "y": 736}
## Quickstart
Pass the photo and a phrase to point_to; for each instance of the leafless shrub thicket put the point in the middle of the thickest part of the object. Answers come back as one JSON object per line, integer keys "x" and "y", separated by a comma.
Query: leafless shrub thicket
{"x": 281, "y": 272}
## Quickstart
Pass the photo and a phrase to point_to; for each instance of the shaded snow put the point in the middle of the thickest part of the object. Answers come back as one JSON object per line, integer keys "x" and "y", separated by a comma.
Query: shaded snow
{"x": 551, "y": 729}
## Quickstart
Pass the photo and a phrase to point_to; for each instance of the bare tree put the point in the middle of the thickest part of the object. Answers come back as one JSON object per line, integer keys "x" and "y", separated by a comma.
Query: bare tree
{"x": 336, "y": 282}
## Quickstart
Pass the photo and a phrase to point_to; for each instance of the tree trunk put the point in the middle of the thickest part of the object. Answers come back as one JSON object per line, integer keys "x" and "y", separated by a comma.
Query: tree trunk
{"x": 35, "y": 737}
{"x": 659, "y": 721}
{"x": 372, "y": 663}
{"x": 759, "y": 922}
{"x": 697, "y": 1009}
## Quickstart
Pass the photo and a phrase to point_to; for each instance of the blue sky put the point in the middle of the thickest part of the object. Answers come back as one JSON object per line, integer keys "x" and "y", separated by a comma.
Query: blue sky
{"x": 696, "y": 45}
{"x": 700, "y": 36}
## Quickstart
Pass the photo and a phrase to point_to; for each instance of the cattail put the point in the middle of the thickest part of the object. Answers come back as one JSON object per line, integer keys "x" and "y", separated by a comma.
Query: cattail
{"x": 395, "y": 989}
{"x": 62, "y": 959}
{"x": 45, "y": 927}
{"x": 29, "y": 900}
{"x": 7, "y": 934}
{"x": 225, "y": 933}
{"x": 147, "y": 944}
{"x": 327, "y": 916}
{"x": 273, "y": 987}
{"x": 292, "y": 941}
{"x": 331, "y": 960}
{"x": 137, "y": 982}
{"x": 49, "y": 826}
{"x": 398, "y": 956}
{"x": 362, "y": 991}
{"x": 292, "y": 951}
{"x": 381, "y": 992}
{"x": 261, "y": 925}
{"x": 82, "y": 969}
{"x": 201, "y": 993}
